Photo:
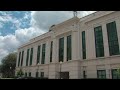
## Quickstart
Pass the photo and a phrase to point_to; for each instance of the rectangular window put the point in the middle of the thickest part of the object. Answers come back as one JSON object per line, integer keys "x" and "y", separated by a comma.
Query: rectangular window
{"x": 42, "y": 74}
{"x": 115, "y": 74}
{"x": 84, "y": 74}
{"x": 83, "y": 45}
{"x": 26, "y": 74}
{"x": 27, "y": 58}
{"x": 61, "y": 49}
{"x": 43, "y": 54}
{"x": 37, "y": 74}
{"x": 19, "y": 59}
{"x": 29, "y": 74}
{"x": 22, "y": 58}
{"x": 101, "y": 74}
{"x": 112, "y": 38}
{"x": 31, "y": 56}
{"x": 69, "y": 47}
{"x": 51, "y": 48}
{"x": 38, "y": 54}
{"x": 99, "y": 41}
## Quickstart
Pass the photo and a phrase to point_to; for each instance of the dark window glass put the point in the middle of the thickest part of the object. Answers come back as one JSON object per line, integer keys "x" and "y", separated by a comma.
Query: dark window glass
{"x": 31, "y": 56}
{"x": 101, "y": 74}
{"x": 112, "y": 38}
{"x": 51, "y": 48}
{"x": 38, "y": 54}
{"x": 19, "y": 59}
{"x": 43, "y": 54}
{"x": 84, "y": 74}
{"x": 27, "y": 58}
{"x": 42, "y": 74}
{"x": 26, "y": 74}
{"x": 99, "y": 41}
{"x": 29, "y": 74}
{"x": 22, "y": 58}
{"x": 115, "y": 74}
{"x": 37, "y": 74}
{"x": 61, "y": 49}
{"x": 83, "y": 45}
{"x": 69, "y": 47}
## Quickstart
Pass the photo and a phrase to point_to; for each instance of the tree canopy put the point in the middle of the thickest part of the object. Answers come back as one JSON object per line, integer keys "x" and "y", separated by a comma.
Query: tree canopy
{"x": 8, "y": 65}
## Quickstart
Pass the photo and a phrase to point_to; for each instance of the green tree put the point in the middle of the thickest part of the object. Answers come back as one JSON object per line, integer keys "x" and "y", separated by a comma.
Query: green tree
{"x": 118, "y": 73}
{"x": 8, "y": 65}
{"x": 20, "y": 73}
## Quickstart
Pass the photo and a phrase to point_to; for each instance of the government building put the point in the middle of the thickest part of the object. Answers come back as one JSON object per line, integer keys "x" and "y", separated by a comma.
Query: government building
{"x": 78, "y": 48}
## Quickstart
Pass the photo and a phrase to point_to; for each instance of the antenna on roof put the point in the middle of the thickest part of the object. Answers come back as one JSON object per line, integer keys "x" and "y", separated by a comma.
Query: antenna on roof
{"x": 75, "y": 13}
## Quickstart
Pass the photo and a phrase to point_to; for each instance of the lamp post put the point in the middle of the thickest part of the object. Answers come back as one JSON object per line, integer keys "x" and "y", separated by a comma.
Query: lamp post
{"x": 60, "y": 68}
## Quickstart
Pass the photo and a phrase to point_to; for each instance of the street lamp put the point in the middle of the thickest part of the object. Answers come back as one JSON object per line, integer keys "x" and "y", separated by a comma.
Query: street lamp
{"x": 60, "y": 68}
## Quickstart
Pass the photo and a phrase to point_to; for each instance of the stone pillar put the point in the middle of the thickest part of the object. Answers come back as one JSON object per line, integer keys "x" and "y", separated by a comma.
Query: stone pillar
{"x": 75, "y": 52}
{"x": 105, "y": 40}
{"x": 90, "y": 43}
{"x": 55, "y": 51}
{"x": 47, "y": 56}
{"x": 34, "y": 61}
{"x": 40, "y": 53}
{"x": 65, "y": 49}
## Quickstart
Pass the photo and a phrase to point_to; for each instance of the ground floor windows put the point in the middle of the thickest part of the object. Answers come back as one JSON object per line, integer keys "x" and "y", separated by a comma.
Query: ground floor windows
{"x": 115, "y": 74}
{"x": 29, "y": 74}
{"x": 37, "y": 74}
{"x": 26, "y": 74}
{"x": 101, "y": 74}
{"x": 42, "y": 74}
{"x": 84, "y": 74}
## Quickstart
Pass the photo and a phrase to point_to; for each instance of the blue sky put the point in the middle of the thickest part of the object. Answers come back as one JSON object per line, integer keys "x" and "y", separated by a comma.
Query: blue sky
{"x": 18, "y": 27}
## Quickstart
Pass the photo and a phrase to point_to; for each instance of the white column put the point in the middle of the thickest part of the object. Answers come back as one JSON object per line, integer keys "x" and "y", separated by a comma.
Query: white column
{"x": 34, "y": 55}
{"x": 105, "y": 40}
{"x": 47, "y": 55}
{"x": 75, "y": 52}
{"x": 55, "y": 51}
{"x": 90, "y": 43}
{"x": 65, "y": 49}
{"x": 40, "y": 53}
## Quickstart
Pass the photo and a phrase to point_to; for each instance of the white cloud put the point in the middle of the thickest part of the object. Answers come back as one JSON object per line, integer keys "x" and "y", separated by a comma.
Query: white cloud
{"x": 45, "y": 19}
{"x": 40, "y": 23}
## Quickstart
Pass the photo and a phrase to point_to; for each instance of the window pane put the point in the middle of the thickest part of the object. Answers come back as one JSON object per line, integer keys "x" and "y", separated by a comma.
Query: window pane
{"x": 69, "y": 47}
{"x": 51, "y": 48}
{"x": 99, "y": 41}
{"x": 112, "y": 38}
{"x": 31, "y": 56}
{"x": 83, "y": 45}
{"x": 43, "y": 54}
{"x": 61, "y": 49}
{"x": 22, "y": 58}
{"x": 101, "y": 74}
{"x": 19, "y": 59}
{"x": 38, "y": 54}
{"x": 27, "y": 57}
